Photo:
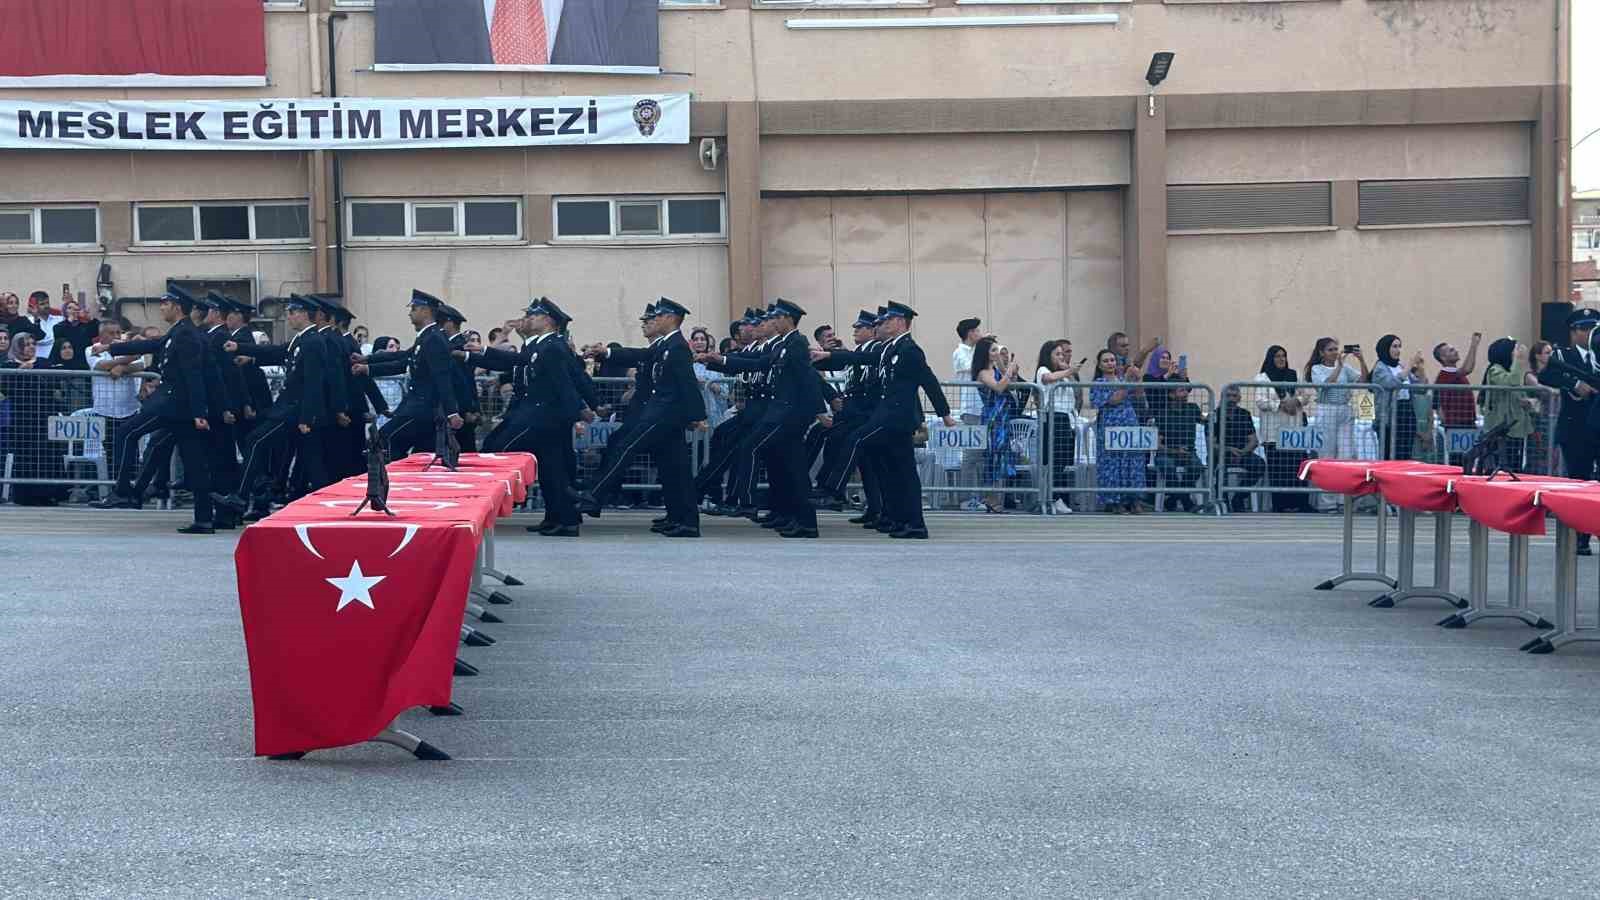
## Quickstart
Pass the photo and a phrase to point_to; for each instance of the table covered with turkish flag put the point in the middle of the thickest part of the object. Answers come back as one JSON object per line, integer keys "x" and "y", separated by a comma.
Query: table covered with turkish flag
{"x": 350, "y": 620}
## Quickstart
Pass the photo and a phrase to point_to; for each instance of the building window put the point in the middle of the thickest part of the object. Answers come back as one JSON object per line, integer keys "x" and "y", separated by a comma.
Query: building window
{"x": 688, "y": 219}
{"x": 221, "y": 223}
{"x": 49, "y": 226}
{"x": 435, "y": 220}
{"x": 1226, "y": 207}
{"x": 1444, "y": 201}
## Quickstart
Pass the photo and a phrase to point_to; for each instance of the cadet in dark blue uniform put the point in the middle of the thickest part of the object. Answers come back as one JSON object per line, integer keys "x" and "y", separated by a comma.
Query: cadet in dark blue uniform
{"x": 258, "y": 396}
{"x": 637, "y": 359}
{"x": 744, "y": 461}
{"x": 301, "y": 406}
{"x": 675, "y": 404}
{"x": 349, "y": 455}
{"x": 888, "y": 432}
{"x": 725, "y": 438}
{"x": 450, "y": 321}
{"x": 1577, "y": 432}
{"x": 779, "y": 438}
{"x": 431, "y": 391}
{"x": 861, "y": 391}
{"x": 544, "y": 406}
{"x": 180, "y": 407}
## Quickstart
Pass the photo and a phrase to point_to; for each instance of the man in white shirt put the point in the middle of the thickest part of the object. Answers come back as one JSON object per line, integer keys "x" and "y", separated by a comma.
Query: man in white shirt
{"x": 968, "y": 405}
{"x": 39, "y": 314}
{"x": 116, "y": 395}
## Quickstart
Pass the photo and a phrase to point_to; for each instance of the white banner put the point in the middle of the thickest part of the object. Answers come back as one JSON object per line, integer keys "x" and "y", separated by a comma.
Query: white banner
{"x": 349, "y": 123}
{"x": 961, "y": 437}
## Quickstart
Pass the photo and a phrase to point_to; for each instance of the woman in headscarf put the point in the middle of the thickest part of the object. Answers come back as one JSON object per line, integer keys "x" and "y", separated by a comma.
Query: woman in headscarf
{"x": 1516, "y": 409}
{"x": 1281, "y": 407}
{"x": 1392, "y": 407}
{"x": 1160, "y": 368}
{"x": 392, "y": 387}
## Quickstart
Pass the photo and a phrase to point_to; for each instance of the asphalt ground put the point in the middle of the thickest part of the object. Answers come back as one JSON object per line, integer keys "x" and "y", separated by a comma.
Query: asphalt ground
{"x": 1075, "y": 707}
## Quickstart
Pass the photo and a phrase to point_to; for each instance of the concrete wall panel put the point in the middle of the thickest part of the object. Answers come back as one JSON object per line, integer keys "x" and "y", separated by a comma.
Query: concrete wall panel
{"x": 1336, "y": 154}
{"x": 1233, "y": 295}
{"x": 113, "y": 175}
{"x": 943, "y": 162}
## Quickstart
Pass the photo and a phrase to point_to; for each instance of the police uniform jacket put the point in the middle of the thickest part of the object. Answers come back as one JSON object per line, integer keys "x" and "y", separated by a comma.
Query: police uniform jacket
{"x": 752, "y": 368}
{"x": 303, "y": 399}
{"x": 336, "y": 369}
{"x": 795, "y": 387}
{"x": 1576, "y": 413}
{"x": 902, "y": 370}
{"x": 256, "y": 391}
{"x": 466, "y": 385}
{"x": 543, "y": 393}
{"x": 363, "y": 391}
{"x": 642, "y": 361}
{"x": 675, "y": 397}
{"x": 224, "y": 386}
{"x": 182, "y": 394}
{"x": 430, "y": 389}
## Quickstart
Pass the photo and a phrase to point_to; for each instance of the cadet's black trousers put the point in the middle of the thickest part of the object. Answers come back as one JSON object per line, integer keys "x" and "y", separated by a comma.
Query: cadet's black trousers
{"x": 782, "y": 448}
{"x": 402, "y": 435}
{"x": 665, "y": 441}
{"x": 272, "y": 437}
{"x": 551, "y": 445}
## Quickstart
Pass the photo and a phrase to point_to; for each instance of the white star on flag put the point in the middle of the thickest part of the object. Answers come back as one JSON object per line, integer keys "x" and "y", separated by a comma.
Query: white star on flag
{"x": 355, "y": 587}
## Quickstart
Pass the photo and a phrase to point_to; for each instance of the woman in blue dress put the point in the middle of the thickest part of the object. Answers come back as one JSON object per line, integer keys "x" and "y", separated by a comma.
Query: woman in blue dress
{"x": 995, "y": 371}
{"x": 1118, "y": 473}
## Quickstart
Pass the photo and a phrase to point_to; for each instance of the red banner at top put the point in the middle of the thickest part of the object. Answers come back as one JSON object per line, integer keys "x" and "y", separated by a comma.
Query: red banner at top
{"x": 69, "y": 43}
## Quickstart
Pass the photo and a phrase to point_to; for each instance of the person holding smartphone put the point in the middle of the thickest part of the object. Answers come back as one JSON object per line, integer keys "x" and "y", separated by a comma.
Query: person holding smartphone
{"x": 1329, "y": 367}
{"x": 1055, "y": 367}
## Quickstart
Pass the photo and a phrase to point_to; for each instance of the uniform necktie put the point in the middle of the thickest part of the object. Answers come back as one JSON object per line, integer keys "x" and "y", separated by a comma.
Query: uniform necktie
{"x": 518, "y": 37}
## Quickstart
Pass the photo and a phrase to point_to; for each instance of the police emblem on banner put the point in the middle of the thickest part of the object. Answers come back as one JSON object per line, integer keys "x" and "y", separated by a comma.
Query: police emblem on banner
{"x": 646, "y": 113}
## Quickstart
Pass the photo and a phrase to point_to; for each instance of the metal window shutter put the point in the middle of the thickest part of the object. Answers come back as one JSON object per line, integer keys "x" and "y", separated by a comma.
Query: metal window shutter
{"x": 1192, "y": 207}
{"x": 1425, "y": 202}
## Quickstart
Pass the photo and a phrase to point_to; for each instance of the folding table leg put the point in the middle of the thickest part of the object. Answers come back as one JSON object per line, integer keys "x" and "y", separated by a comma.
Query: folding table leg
{"x": 1407, "y": 589}
{"x": 1516, "y": 606}
{"x": 1567, "y": 630}
{"x": 1349, "y": 574}
{"x": 488, "y": 564}
{"x": 472, "y": 637}
{"x": 410, "y": 743}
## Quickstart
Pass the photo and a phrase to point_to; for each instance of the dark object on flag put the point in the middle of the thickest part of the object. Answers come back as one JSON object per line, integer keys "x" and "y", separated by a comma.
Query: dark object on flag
{"x": 608, "y": 33}
{"x": 446, "y": 450}
{"x": 132, "y": 42}
{"x": 377, "y": 475}
{"x": 1488, "y": 454}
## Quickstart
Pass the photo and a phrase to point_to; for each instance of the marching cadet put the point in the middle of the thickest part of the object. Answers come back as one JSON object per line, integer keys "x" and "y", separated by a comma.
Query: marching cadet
{"x": 861, "y": 391}
{"x": 431, "y": 390}
{"x": 742, "y": 460}
{"x": 450, "y": 321}
{"x": 779, "y": 438}
{"x": 675, "y": 403}
{"x": 180, "y": 407}
{"x": 227, "y": 397}
{"x": 725, "y": 439}
{"x": 288, "y": 425}
{"x": 643, "y": 386}
{"x": 333, "y": 431}
{"x": 545, "y": 405}
{"x": 361, "y": 393}
{"x": 888, "y": 432}
{"x": 1576, "y": 437}
{"x": 258, "y": 396}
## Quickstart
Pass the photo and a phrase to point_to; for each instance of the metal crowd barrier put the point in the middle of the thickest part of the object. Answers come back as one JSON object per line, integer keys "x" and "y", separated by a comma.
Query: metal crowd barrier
{"x": 997, "y": 450}
{"x": 1293, "y": 422}
{"x": 1112, "y": 443}
{"x": 58, "y": 429}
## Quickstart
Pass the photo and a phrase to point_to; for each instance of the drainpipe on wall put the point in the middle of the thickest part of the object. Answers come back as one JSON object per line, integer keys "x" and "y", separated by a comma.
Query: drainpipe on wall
{"x": 338, "y": 179}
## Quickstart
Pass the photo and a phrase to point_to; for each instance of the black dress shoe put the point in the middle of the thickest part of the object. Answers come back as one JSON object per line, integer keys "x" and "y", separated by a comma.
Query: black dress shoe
{"x": 197, "y": 528}
{"x": 255, "y": 515}
{"x": 663, "y": 526}
{"x": 231, "y": 501}
{"x": 562, "y": 531}
{"x": 777, "y": 524}
{"x": 915, "y": 534}
{"x": 798, "y": 532}
{"x": 587, "y": 504}
{"x": 747, "y": 512}
{"x": 887, "y": 527}
{"x": 681, "y": 531}
{"x": 117, "y": 501}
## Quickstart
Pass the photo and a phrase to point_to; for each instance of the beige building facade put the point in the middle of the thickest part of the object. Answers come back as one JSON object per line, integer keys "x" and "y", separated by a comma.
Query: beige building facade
{"x": 1310, "y": 167}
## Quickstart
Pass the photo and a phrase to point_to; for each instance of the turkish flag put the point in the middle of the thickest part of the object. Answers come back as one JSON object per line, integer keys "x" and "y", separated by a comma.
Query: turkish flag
{"x": 522, "y": 462}
{"x": 1578, "y": 509}
{"x": 1508, "y": 505}
{"x": 477, "y": 512}
{"x": 348, "y": 623}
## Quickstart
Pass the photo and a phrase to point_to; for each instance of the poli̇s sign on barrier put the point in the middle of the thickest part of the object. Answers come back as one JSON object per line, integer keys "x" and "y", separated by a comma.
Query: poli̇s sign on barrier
{"x": 1460, "y": 440}
{"x": 1131, "y": 438}
{"x": 595, "y": 437}
{"x": 961, "y": 437}
{"x": 1310, "y": 440}
{"x": 88, "y": 429}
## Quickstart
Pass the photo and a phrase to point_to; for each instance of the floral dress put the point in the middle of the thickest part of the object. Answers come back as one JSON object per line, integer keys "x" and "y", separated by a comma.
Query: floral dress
{"x": 1118, "y": 473}
{"x": 999, "y": 408}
